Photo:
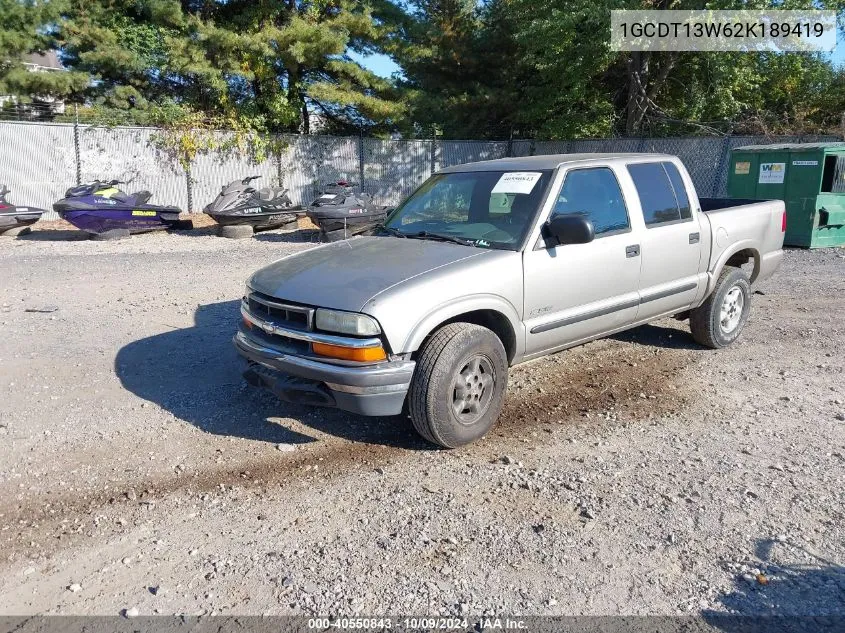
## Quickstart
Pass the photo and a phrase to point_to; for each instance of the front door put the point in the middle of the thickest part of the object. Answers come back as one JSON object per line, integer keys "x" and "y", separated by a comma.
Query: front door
{"x": 578, "y": 291}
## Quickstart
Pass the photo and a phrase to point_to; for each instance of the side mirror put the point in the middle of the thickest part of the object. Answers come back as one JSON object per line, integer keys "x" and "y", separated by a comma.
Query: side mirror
{"x": 571, "y": 229}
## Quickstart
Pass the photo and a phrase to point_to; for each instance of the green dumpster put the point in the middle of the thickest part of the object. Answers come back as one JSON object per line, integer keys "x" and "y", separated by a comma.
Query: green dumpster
{"x": 808, "y": 177}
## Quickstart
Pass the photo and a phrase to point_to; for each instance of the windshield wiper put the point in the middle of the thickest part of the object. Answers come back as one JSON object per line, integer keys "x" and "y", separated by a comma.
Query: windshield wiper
{"x": 390, "y": 230}
{"x": 427, "y": 235}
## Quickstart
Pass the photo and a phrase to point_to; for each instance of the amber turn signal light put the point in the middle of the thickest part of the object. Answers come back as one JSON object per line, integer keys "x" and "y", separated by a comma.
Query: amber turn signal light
{"x": 361, "y": 354}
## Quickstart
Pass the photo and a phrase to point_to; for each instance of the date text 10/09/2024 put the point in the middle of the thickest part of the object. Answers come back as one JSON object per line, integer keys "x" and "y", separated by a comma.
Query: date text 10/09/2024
{"x": 416, "y": 623}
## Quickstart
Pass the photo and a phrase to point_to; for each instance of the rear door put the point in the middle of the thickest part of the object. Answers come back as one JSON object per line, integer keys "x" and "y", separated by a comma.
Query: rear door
{"x": 579, "y": 291}
{"x": 671, "y": 243}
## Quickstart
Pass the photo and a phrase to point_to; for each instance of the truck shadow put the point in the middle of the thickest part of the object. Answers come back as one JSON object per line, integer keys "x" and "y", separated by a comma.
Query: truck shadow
{"x": 806, "y": 596}
{"x": 195, "y": 374}
{"x": 659, "y": 336}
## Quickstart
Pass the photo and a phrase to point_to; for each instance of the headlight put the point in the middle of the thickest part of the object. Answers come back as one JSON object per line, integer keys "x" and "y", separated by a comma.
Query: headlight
{"x": 347, "y": 323}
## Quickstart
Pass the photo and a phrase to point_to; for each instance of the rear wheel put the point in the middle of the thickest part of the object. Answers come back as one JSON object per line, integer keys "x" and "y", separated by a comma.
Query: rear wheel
{"x": 718, "y": 322}
{"x": 458, "y": 389}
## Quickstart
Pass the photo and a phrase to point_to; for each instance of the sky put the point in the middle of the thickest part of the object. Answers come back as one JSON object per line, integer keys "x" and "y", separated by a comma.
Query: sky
{"x": 384, "y": 66}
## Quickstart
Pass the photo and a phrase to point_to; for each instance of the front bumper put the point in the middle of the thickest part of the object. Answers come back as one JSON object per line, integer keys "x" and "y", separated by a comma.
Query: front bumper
{"x": 378, "y": 389}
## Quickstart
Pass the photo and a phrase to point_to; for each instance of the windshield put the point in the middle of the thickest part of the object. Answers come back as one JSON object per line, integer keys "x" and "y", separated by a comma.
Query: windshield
{"x": 488, "y": 209}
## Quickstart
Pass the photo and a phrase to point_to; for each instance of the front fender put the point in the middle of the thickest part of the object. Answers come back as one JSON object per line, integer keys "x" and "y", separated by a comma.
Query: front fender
{"x": 407, "y": 339}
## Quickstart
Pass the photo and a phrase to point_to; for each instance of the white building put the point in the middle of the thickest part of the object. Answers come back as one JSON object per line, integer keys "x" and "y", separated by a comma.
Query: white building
{"x": 47, "y": 61}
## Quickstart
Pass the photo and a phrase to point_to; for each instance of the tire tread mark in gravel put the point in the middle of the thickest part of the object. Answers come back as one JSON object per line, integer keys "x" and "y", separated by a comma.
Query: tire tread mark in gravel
{"x": 590, "y": 379}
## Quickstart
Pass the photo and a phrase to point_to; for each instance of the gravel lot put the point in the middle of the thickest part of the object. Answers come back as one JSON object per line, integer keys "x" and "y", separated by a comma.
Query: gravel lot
{"x": 636, "y": 475}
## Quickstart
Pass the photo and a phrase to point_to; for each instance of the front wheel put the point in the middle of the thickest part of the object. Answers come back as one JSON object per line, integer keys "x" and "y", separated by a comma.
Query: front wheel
{"x": 458, "y": 388}
{"x": 719, "y": 320}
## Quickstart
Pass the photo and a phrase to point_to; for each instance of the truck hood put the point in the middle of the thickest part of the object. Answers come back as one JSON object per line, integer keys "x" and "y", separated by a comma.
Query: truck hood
{"x": 346, "y": 275}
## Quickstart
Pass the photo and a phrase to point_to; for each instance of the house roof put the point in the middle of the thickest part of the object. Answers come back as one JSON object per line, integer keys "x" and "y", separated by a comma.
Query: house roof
{"x": 44, "y": 59}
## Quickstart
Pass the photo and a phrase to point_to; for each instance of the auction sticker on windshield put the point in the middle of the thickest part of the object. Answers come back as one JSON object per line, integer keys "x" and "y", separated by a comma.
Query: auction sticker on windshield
{"x": 517, "y": 182}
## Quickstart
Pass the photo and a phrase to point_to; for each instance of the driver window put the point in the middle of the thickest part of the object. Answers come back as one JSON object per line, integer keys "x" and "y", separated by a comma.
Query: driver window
{"x": 594, "y": 193}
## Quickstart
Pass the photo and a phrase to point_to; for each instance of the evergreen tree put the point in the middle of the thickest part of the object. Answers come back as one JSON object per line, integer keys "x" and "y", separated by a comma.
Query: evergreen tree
{"x": 458, "y": 59}
{"x": 24, "y": 31}
{"x": 269, "y": 63}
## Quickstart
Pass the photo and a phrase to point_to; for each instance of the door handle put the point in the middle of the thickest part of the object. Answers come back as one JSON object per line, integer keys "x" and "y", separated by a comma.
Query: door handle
{"x": 632, "y": 251}
{"x": 694, "y": 238}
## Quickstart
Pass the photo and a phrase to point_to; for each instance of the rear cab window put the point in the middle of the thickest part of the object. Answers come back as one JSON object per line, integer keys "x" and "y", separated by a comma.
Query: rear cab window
{"x": 663, "y": 196}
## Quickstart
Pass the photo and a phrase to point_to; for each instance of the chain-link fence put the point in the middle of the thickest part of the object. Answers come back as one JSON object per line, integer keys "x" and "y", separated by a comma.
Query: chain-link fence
{"x": 41, "y": 160}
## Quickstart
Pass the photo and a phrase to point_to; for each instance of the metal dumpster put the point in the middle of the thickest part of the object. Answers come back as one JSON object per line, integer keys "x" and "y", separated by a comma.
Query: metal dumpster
{"x": 808, "y": 177}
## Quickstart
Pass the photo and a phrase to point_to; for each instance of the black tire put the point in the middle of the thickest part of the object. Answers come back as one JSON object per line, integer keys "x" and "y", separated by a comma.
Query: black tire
{"x": 113, "y": 234}
{"x": 708, "y": 326}
{"x": 235, "y": 231}
{"x": 433, "y": 396}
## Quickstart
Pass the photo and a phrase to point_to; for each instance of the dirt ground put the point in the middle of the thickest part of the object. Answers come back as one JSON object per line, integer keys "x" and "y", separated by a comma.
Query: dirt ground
{"x": 641, "y": 474}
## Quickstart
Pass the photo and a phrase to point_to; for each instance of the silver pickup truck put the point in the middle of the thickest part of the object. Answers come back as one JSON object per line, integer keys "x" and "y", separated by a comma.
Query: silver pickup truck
{"x": 492, "y": 264}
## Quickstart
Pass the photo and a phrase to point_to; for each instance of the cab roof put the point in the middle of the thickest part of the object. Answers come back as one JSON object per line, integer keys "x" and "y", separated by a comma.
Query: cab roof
{"x": 546, "y": 161}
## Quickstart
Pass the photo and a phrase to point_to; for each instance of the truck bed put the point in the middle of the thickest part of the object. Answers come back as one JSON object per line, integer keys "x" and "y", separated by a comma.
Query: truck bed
{"x": 756, "y": 225}
{"x": 712, "y": 205}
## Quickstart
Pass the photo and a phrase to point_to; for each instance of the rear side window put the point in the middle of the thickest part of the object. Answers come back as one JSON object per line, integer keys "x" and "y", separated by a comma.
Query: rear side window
{"x": 657, "y": 191}
{"x": 680, "y": 190}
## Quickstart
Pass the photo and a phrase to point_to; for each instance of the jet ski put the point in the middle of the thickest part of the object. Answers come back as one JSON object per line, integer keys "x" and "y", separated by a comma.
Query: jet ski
{"x": 100, "y": 207}
{"x": 263, "y": 209}
{"x": 342, "y": 211}
{"x": 13, "y": 216}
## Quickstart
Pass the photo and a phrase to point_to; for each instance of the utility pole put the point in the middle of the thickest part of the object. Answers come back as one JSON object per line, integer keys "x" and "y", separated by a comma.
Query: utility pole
{"x": 361, "y": 159}
{"x": 76, "y": 150}
{"x": 434, "y": 133}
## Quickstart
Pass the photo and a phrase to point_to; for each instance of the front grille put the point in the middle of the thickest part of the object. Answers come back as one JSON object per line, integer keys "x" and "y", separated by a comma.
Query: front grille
{"x": 279, "y": 313}
{"x": 283, "y": 344}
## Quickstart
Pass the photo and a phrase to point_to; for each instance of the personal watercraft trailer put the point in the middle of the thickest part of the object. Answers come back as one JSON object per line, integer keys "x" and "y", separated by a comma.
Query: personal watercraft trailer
{"x": 101, "y": 209}
{"x": 342, "y": 211}
{"x": 13, "y": 218}
{"x": 241, "y": 205}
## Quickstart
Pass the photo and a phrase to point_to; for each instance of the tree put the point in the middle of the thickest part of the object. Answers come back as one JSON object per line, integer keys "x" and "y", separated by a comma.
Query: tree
{"x": 458, "y": 59}
{"x": 565, "y": 67}
{"x": 477, "y": 71}
{"x": 22, "y": 33}
{"x": 678, "y": 78}
{"x": 272, "y": 63}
